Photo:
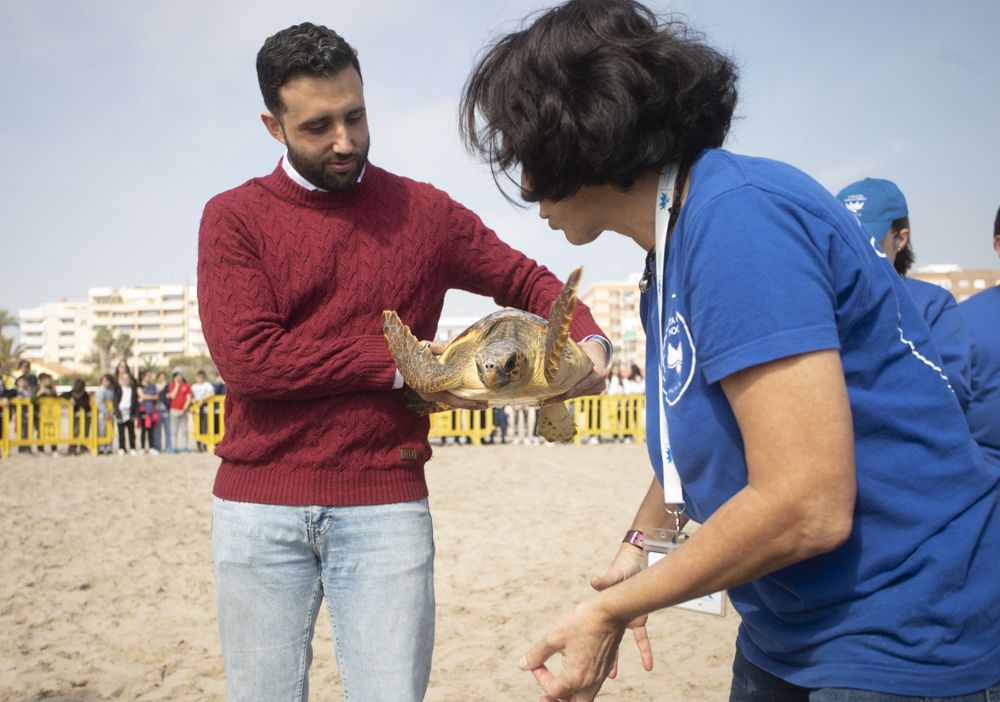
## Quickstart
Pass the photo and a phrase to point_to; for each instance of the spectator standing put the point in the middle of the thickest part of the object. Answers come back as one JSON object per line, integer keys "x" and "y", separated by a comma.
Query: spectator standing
{"x": 81, "y": 408}
{"x": 881, "y": 208}
{"x": 525, "y": 420}
{"x": 148, "y": 418}
{"x": 202, "y": 390}
{"x": 126, "y": 405}
{"x": 634, "y": 383}
{"x": 162, "y": 438}
{"x": 981, "y": 314}
{"x": 180, "y": 401}
{"x": 105, "y": 395}
{"x": 46, "y": 388}
{"x": 24, "y": 369}
{"x": 499, "y": 425}
{"x": 24, "y": 391}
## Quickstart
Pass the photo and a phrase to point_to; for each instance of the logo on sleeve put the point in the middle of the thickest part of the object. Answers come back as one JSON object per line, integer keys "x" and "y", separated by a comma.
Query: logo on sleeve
{"x": 678, "y": 358}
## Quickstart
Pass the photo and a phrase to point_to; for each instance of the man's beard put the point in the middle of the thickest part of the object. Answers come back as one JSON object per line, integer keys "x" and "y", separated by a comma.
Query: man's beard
{"x": 314, "y": 169}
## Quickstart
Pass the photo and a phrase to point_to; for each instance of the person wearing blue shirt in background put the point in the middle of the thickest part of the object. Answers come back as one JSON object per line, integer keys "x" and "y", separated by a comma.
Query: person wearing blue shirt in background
{"x": 810, "y": 422}
{"x": 880, "y": 206}
{"x": 981, "y": 313}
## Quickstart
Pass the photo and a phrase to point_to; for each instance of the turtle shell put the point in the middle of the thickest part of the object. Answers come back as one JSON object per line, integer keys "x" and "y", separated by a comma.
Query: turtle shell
{"x": 501, "y": 359}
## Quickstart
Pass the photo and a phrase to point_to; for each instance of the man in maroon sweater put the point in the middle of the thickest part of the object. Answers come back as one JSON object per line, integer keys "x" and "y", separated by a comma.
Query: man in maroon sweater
{"x": 321, "y": 488}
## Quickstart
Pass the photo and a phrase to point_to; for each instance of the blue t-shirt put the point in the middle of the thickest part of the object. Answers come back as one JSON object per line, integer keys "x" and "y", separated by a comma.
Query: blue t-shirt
{"x": 981, "y": 313}
{"x": 763, "y": 264}
{"x": 939, "y": 309}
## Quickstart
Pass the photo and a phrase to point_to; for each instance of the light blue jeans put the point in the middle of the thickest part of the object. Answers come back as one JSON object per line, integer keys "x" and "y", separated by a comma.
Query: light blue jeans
{"x": 375, "y": 564}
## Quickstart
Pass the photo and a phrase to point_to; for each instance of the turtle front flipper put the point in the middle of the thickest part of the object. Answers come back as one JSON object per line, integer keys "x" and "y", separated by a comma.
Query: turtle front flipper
{"x": 419, "y": 367}
{"x": 560, "y": 318}
{"x": 555, "y": 423}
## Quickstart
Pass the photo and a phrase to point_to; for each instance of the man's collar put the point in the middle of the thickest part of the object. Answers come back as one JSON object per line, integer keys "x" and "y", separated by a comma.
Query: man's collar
{"x": 297, "y": 178}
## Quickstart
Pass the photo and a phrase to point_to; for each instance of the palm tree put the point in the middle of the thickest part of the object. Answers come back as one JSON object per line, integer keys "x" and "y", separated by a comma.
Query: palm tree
{"x": 123, "y": 347}
{"x": 7, "y": 320}
{"x": 9, "y": 354}
{"x": 104, "y": 342}
{"x": 147, "y": 362}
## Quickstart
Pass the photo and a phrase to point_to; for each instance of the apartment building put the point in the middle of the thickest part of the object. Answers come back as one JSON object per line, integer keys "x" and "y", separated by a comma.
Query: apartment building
{"x": 162, "y": 321}
{"x": 615, "y": 306}
{"x": 963, "y": 284}
{"x": 56, "y": 331}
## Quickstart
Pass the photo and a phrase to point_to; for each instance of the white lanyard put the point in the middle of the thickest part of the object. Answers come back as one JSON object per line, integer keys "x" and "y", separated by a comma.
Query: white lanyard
{"x": 672, "y": 493}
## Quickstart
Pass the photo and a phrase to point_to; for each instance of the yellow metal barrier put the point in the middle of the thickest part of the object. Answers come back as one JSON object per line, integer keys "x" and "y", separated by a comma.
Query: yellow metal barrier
{"x": 57, "y": 423}
{"x": 476, "y": 425}
{"x": 209, "y": 419}
{"x": 609, "y": 416}
{"x": 51, "y": 421}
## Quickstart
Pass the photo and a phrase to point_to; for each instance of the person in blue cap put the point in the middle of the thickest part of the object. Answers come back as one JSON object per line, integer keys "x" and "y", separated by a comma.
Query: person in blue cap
{"x": 981, "y": 313}
{"x": 881, "y": 208}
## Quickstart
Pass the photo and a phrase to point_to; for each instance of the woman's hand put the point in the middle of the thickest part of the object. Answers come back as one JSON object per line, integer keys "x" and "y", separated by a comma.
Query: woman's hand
{"x": 627, "y": 562}
{"x": 588, "y": 640}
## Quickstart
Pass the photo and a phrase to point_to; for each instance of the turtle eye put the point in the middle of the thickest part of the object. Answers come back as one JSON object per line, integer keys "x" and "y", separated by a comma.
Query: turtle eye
{"x": 510, "y": 364}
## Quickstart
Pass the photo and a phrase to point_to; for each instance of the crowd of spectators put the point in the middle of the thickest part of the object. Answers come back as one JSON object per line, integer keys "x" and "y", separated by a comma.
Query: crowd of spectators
{"x": 150, "y": 415}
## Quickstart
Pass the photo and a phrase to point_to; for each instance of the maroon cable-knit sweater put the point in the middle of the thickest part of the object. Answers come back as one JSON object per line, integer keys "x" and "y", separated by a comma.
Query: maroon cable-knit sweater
{"x": 291, "y": 286}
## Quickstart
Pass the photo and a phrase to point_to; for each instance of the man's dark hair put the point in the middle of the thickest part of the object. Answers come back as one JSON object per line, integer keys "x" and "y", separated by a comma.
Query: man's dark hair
{"x": 596, "y": 92}
{"x": 996, "y": 224}
{"x": 304, "y": 49}
{"x": 905, "y": 256}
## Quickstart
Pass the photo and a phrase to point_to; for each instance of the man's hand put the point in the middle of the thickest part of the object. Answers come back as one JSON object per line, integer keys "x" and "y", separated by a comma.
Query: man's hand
{"x": 593, "y": 384}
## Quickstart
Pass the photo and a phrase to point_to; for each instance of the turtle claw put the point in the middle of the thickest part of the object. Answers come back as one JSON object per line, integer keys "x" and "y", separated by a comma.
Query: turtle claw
{"x": 419, "y": 367}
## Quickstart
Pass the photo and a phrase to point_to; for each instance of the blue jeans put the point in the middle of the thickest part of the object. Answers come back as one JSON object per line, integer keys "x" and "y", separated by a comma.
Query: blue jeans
{"x": 161, "y": 435}
{"x": 751, "y": 684}
{"x": 374, "y": 564}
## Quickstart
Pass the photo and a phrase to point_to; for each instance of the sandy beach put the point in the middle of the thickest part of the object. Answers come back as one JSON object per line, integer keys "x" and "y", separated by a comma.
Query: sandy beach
{"x": 106, "y": 589}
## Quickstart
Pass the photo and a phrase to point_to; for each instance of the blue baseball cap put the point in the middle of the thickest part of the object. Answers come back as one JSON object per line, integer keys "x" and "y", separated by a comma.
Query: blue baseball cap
{"x": 876, "y": 203}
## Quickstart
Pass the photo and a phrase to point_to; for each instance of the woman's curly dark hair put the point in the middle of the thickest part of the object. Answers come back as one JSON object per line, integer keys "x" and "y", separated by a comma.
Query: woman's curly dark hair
{"x": 596, "y": 92}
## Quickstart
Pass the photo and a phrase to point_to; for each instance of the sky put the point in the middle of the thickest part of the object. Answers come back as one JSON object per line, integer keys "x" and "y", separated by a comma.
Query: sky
{"x": 121, "y": 119}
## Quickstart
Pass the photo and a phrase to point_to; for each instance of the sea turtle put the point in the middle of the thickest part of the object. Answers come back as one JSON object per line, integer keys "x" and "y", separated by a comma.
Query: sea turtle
{"x": 510, "y": 357}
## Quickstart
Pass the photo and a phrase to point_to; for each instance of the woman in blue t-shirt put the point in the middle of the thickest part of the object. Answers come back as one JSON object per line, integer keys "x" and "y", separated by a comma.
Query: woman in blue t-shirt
{"x": 812, "y": 430}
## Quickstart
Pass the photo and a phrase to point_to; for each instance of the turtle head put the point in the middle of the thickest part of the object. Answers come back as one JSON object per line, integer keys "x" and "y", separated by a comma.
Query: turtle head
{"x": 500, "y": 365}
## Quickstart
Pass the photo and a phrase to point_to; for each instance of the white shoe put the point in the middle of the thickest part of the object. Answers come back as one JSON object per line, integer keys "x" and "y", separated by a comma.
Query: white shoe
{"x": 121, "y": 452}
{"x": 133, "y": 453}
{"x": 153, "y": 451}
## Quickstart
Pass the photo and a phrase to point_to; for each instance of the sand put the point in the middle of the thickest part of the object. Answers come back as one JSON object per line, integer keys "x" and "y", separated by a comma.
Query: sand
{"x": 106, "y": 589}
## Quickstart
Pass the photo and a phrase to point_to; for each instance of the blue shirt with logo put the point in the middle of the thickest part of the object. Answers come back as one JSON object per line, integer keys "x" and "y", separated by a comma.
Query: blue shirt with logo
{"x": 939, "y": 309}
{"x": 763, "y": 264}
{"x": 981, "y": 313}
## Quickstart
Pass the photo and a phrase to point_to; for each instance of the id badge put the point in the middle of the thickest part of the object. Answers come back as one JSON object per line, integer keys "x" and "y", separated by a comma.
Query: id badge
{"x": 659, "y": 543}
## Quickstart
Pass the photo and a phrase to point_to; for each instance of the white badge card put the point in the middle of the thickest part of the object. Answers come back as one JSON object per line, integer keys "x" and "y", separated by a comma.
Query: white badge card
{"x": 662, "y": 542}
